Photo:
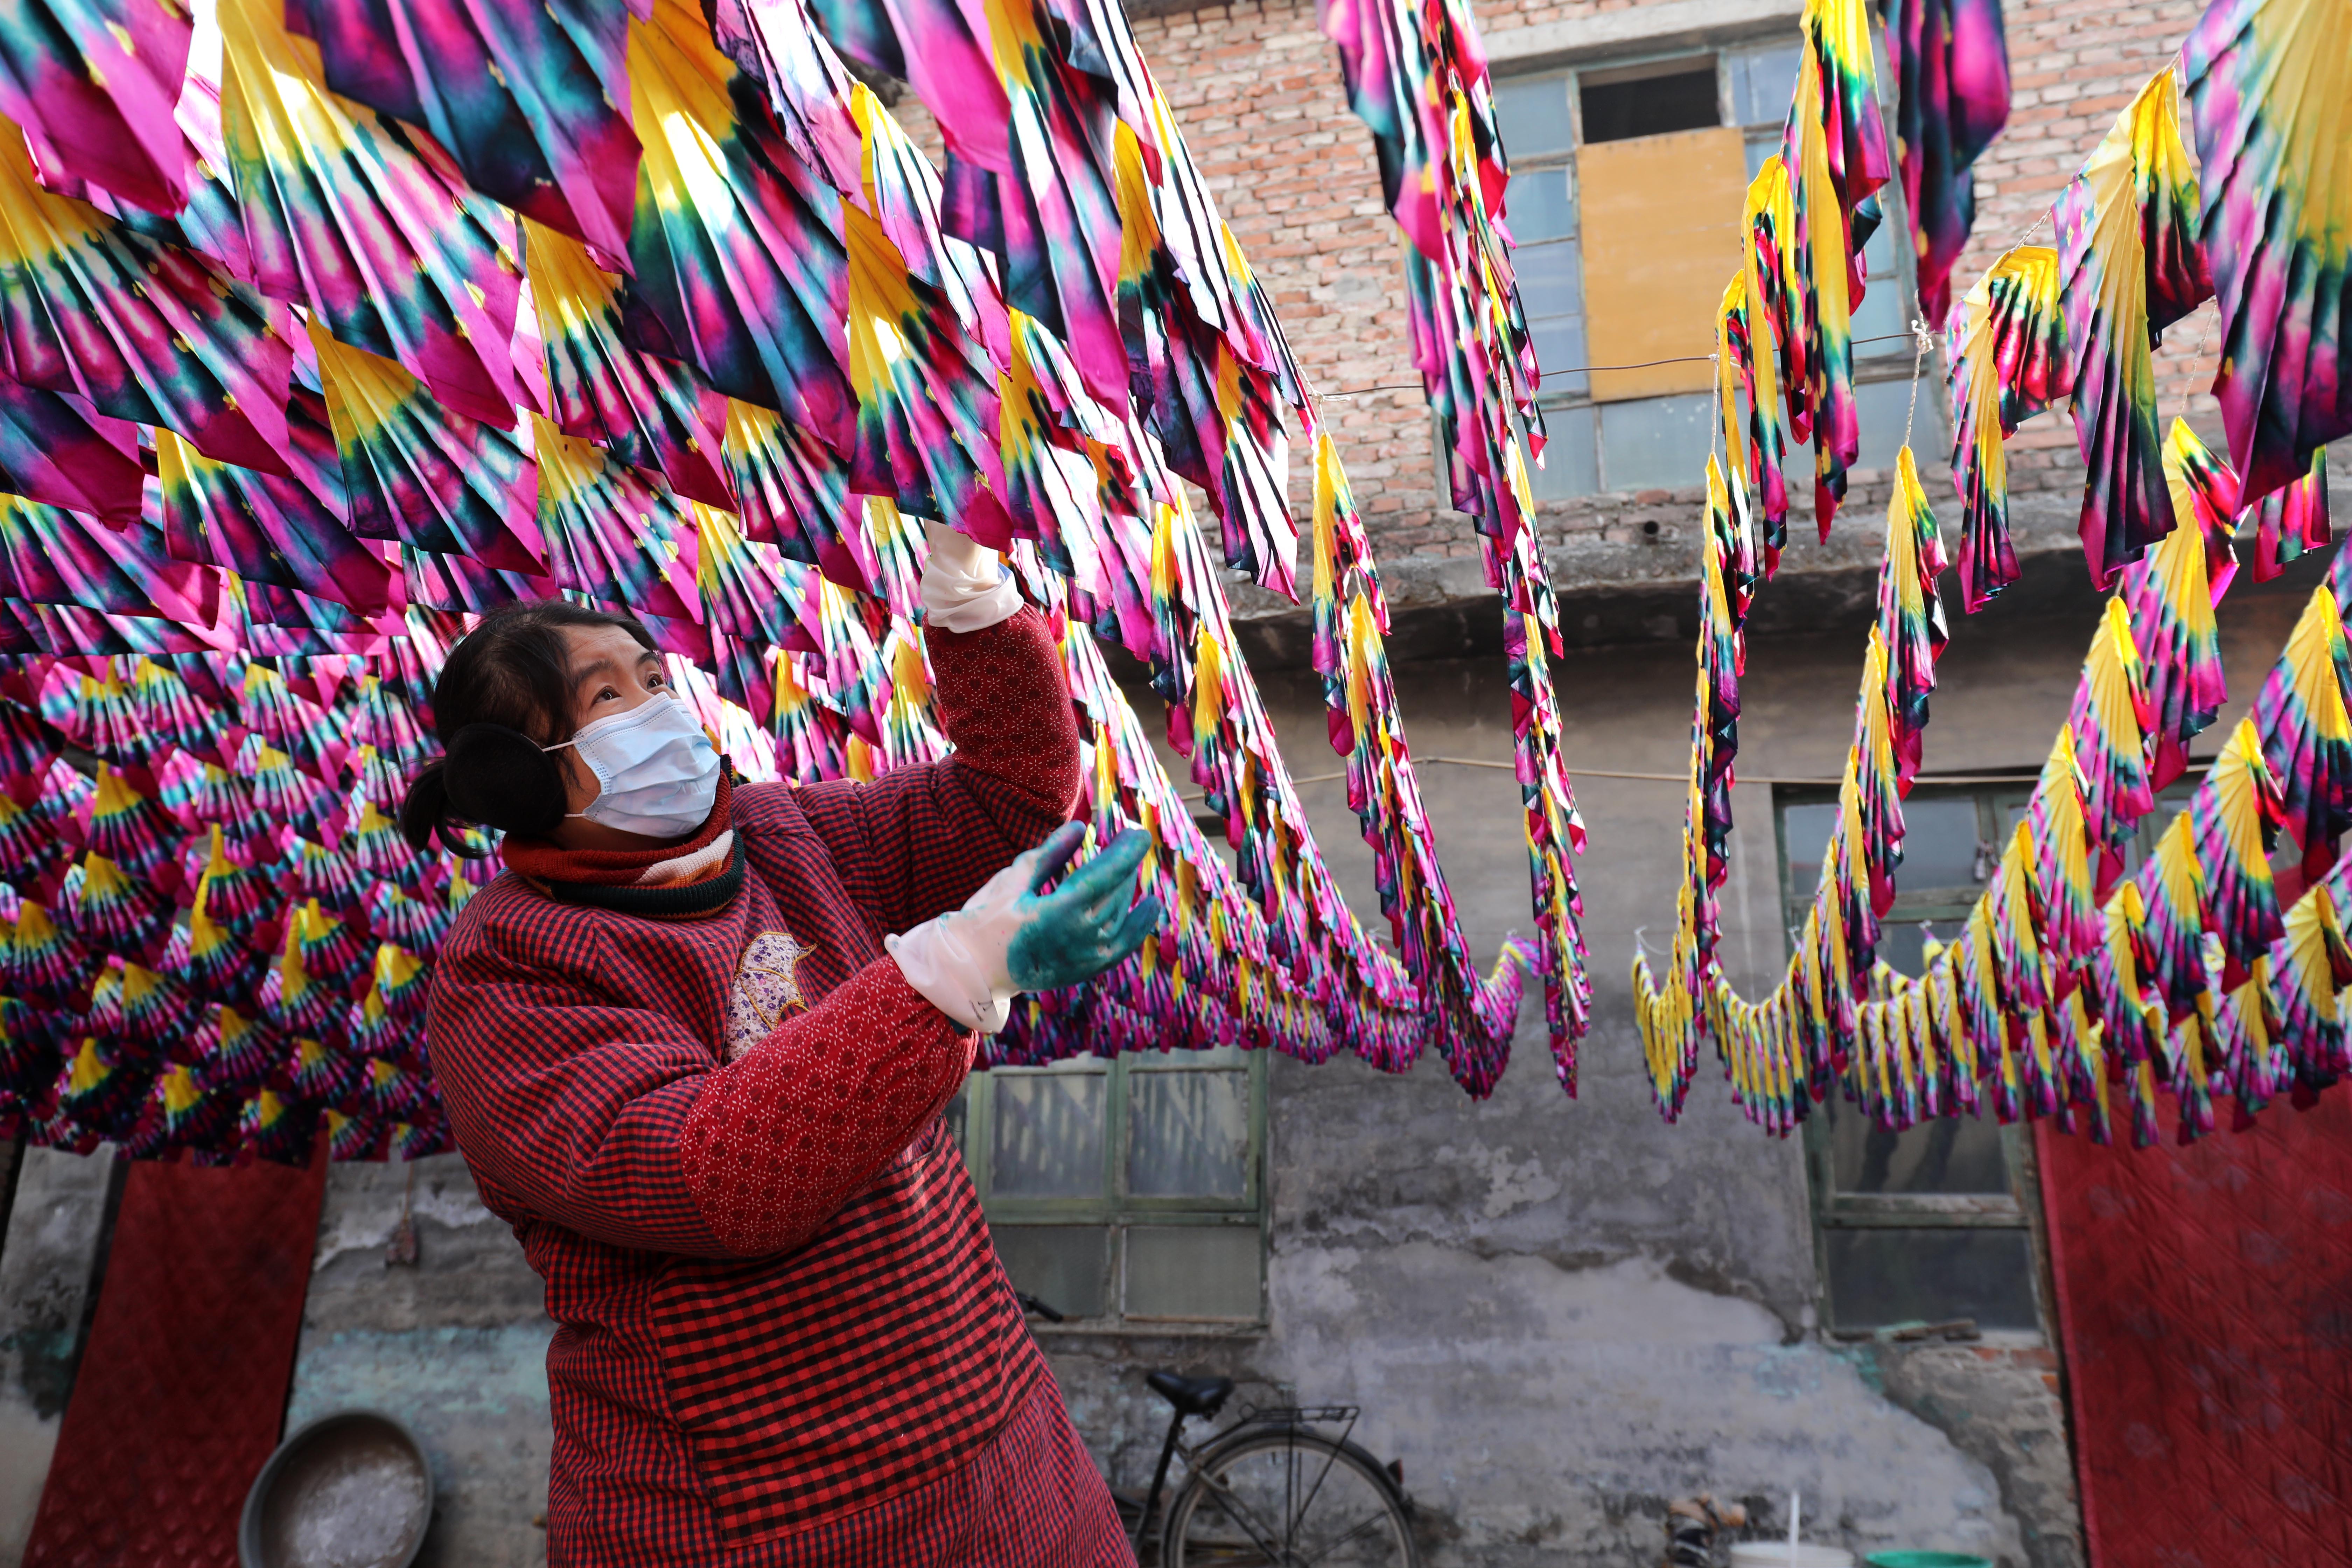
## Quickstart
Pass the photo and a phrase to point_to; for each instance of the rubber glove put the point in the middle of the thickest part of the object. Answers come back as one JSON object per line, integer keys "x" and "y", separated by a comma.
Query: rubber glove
{"x": 965, "y": 587}
{"x": 1011, "y": 938}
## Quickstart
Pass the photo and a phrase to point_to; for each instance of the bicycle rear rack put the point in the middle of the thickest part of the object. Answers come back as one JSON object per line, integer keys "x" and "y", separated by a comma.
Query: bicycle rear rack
{"x": 1295, "y": 1416}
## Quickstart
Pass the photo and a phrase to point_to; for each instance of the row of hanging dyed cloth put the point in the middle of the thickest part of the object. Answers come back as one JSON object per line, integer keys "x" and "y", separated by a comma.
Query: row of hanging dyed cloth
{"x": 327, "y": 328}
{"x": 2078, "y": 979}
{"x": 1416, "y": 74}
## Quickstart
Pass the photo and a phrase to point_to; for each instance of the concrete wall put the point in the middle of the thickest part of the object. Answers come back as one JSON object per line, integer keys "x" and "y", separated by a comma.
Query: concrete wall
{"x": 455, "y": 1345}
{"x": 50, "y": 1259}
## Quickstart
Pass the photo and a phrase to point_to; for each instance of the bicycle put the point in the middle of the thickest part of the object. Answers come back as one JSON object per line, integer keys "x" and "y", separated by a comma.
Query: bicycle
{"x": 1272, "y": 1491}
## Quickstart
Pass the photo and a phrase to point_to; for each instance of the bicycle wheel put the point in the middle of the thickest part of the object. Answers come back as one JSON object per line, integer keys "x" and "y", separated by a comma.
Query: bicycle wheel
{"x": 1288, "y": 1499}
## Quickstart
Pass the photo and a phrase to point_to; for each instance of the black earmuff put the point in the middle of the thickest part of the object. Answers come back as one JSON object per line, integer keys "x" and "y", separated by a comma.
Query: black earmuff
{"x": 501, "y": 778}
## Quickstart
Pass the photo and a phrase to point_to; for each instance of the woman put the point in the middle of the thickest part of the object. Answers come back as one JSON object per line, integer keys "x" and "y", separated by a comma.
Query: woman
{"x": 695, "y": 1043}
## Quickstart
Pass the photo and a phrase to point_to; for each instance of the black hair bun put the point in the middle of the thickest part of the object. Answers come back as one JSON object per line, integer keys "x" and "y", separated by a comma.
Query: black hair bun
{"x": 501, "y": 778}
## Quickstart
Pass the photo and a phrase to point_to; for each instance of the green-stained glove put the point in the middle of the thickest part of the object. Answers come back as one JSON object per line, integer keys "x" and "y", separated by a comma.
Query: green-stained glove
{"x": 1011, "y": 938}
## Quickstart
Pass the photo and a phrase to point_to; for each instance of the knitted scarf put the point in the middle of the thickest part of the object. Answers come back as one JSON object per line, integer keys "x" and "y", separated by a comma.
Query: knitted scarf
{"x": 693, "y": 877}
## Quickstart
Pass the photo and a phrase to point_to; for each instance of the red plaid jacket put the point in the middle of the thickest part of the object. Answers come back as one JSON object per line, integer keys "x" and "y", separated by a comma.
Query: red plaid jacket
{"x": 776, "y": 1298}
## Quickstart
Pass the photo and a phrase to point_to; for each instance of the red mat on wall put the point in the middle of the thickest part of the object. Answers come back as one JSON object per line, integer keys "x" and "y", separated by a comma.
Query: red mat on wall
{"x": 2205, "y": 1297}
{"x": 182, "y": 1388}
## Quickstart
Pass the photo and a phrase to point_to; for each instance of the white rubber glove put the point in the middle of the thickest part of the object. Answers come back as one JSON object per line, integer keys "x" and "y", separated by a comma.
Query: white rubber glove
{"x": 965, "y": 586}
{"x": 957, "y": 961}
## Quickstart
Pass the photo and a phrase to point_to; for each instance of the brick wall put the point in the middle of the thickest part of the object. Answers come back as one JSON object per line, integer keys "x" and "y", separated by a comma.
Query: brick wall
{"x": 1256, "y": 89}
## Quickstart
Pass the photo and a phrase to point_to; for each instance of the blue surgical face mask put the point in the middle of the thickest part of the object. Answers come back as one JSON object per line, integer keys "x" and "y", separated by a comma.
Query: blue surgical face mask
{"x": 656, "y": 771}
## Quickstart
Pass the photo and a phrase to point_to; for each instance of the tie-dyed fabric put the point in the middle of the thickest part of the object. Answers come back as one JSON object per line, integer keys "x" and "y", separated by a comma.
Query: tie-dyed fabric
{"x": 529, "y": 100}
{"x": 649, "y": 412}
{"x": 56, "y": 450}
{"x": 289, "y": 533}
{"x": 728, "y": 405}
{"x": 373, "y": 236}
{"x": 415, "y": 472}
{"x": 1950, "y": 62}
{"x": 2129, "y": 266}
{"x": 2006, "y": 343}
{"x": 2066, "y": 980}
{"x": 144, "y": 331}
{"x": 1834, "y": 148}
{"x": 738, "y": 265}
{"x": 93, "y": 83}
{"x": 927, "y": 402}
{"x": 2270, "y": 90}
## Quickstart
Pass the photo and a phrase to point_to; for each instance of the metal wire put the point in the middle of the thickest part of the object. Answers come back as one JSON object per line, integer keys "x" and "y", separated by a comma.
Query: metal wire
{"x": 1594, "y": 369}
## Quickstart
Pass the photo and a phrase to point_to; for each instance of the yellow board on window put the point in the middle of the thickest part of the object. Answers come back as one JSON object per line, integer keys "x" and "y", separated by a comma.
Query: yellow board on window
{"x": 1661, "y": 229}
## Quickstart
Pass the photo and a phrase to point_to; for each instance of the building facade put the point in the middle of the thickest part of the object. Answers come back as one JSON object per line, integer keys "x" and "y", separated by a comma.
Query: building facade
{"x": 1556, "y": 1315}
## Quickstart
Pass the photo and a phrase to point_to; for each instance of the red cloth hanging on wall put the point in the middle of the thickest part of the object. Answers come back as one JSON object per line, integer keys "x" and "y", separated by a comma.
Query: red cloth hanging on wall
{"x": 181, "y": 1394}
{"x": 2205, "y": 1297}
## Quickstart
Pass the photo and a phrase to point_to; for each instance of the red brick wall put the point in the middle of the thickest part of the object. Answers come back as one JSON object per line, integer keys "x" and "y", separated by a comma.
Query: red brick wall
{"x": 1256, "y": 89}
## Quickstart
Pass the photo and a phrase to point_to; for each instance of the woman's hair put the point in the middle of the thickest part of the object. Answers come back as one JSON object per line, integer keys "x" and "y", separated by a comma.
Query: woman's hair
{"x": 505, "y": 693}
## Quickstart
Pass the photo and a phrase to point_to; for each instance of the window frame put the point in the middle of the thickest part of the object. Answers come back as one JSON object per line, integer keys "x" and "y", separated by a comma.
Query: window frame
{"x": 1115, "y": 1210}
{"x": 1888, "y": 361}
{"x": 1833, "y": 1210}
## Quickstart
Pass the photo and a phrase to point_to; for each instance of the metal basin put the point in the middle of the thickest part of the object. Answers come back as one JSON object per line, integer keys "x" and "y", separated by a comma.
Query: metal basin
{"x": 349, "y": 1490}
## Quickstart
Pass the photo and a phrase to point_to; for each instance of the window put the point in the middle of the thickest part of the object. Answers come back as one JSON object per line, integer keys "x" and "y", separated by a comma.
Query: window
{"x": 1129, "y": 1190}
{"x": 1923, "y": 1224}
{"x": 1626, "y": 183}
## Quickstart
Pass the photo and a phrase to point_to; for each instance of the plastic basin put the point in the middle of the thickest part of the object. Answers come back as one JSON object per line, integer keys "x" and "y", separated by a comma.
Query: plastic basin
{"x": 349, "y": 1490}
{"x": 1925, "y": 1560}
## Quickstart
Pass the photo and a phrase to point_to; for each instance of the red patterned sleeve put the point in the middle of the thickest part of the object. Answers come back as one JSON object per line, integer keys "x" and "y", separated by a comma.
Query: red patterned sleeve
{"x": 613, "y": 1122}
{"x": 919, "y": 841}
{"x": 804, "y": 1122}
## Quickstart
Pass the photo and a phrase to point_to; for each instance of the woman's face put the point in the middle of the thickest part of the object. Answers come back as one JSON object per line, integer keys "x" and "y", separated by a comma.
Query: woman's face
{"x": 610, "y": 674}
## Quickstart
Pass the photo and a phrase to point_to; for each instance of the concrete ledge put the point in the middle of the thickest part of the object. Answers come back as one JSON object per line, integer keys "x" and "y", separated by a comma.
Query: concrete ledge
{"x": 1614, "y": 592}
{"x": 1641, "y": 27}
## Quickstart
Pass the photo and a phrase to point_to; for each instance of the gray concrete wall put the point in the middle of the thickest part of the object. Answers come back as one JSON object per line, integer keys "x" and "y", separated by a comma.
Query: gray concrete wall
{"x": 455, "y": 1345}
{"x": 48, "y": 1260}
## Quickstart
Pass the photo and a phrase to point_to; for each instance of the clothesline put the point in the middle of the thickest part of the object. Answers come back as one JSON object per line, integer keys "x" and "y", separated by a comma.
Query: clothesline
{"x": 1592, "y": 369}
{"x": 1683, "y": 778}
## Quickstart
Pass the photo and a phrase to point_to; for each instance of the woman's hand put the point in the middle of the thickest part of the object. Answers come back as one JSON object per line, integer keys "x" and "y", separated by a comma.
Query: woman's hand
{"x": 1010, "y": 937}
{"x": 1082, "y": 927}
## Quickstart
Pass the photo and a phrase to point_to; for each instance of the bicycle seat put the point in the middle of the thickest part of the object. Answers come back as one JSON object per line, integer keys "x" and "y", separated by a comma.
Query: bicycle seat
{"x": 1191, "y": 1395}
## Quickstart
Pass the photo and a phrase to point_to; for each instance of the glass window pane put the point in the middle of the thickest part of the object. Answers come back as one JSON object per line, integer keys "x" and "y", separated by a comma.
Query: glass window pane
{"x": 1939, "y": 846}
{"x": 1883, "y": 1277}
{"x": 1885, "y": 314}
{"x": 1763, "y": 80}
{"x": 1068, "y": 1266}
{"x": 1880, "y": 407}
{"x": 1900, "y": 943}
{"x": 1533, "y": 115}
{"x": 1652, "y": 105}
{"x": 1049, "y": 1135}
{"x": 1949, "y": 1155}
{"x": 1761, "y": 146}
{"x": 1568, "y": 470}
{"x": 1561, "y": 354}
{"x": 1191, "y": 1271}
{"x": 1542, "y": 205}
{"x": 1549, "y": 280}
{"x": 1656, "y": 443}
{"x": 1805, "y": 831}
{"x": 1188, "y": 1135}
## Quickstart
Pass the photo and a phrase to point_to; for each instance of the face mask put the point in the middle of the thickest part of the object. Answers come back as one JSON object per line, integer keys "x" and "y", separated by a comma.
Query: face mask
{"x": 656, "y": 772}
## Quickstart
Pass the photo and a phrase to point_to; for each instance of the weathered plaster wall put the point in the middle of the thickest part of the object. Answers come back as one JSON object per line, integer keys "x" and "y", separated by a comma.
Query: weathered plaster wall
{"x": 51, "y": 1252}
{"x": 455, "y": 1346}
